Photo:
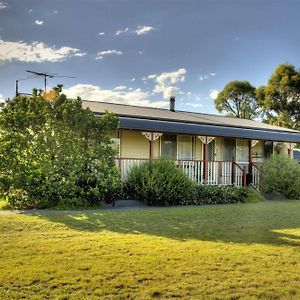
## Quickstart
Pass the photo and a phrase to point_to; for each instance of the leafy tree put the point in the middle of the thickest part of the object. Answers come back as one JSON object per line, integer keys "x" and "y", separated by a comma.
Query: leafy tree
{"x": 55, "y": 153}
{"x": 280, "y": 98}
{"x": 238, "y": 99}
{"x": 281, "y": 175}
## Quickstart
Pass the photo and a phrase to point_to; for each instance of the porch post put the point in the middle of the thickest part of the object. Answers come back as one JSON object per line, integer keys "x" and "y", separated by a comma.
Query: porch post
{"x": 250, "y": 161}
{"x": 151, "y": 136}
{"x": 291, "y": 147}
{"x": 151, "y": 147}
{"x": 206, "y": 140}
{"x": 206, "y": 161}
{"x": 244, "y": 177}
{"x": 233, "y": 171}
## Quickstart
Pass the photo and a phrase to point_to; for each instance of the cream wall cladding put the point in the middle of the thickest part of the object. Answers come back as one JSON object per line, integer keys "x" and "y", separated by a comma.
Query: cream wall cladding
{"x": 135, "y": 145}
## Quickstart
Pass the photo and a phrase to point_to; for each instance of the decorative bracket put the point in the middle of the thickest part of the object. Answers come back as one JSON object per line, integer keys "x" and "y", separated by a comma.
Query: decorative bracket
{"x": 205, "y": 139}
{"x": 254, "y": 142}
{"x": 151, "y": 136}
{"x": 291, "y": 146}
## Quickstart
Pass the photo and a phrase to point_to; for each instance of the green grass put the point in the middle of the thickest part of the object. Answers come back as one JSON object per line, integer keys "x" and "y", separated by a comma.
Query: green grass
{"x": 3, "y": 204}
{"x": 210, "y": 252}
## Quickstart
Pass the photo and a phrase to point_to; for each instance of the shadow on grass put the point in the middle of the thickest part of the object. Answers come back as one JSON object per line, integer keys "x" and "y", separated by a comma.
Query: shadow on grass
{"x": 262, "y": 223}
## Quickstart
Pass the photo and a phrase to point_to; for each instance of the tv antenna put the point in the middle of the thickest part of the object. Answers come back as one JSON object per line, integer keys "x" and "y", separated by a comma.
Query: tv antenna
{"x": 47, "y": 75}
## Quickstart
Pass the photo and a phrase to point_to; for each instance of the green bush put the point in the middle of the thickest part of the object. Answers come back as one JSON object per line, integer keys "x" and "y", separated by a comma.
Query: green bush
{"x": 210, "y": 194}
{"x": 56, "y": 154}
{"x": 281, "y": 175}
{"x": 159, "y": 182}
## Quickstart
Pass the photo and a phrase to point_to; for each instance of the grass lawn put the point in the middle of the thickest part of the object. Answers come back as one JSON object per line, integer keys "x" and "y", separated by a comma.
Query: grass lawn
{"x": 210, "y": 252}
{"x": 3, "y": 204}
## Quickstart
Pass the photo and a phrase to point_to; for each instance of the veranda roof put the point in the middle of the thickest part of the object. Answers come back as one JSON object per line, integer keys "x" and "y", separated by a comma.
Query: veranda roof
{"x": 164, "y": 120}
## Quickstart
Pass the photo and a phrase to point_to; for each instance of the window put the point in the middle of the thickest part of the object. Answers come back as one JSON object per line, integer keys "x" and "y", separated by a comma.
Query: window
{"x": 242, "y": 150}
{"x": 168, "y": 146}
{"x": 185, "y": 147}
{"x": 268, "y": 149}
{"x": 228, "y": 149}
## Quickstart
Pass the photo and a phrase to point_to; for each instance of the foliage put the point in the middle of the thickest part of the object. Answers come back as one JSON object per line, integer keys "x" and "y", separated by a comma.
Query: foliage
{"x": 159, "y": 182}
{"x": 280, "y": 98}
{"x": 209, "y": 194}
{"x": 55, "y": 152}
{"x": 238, "y": 99}
{"x": 281, "y": 175}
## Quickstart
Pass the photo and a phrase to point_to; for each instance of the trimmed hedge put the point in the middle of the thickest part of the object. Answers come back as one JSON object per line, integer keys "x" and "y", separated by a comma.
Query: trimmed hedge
{"x": 161, "y": 183}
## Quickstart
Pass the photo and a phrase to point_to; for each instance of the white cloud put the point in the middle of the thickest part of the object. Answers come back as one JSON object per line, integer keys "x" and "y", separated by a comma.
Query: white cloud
{"x": 167, "y": 91}
{"x": 165, "y": 82}
{"x": 2, "y": 100}
{"x": 30, "y": 10}
{"x": 101, "y": 54}
{"x": 101, "y": 33}
{"x": 39, "y": 22}
{"x": 214, "y": 94}
{"x": 166, "y": 78}
{"x": 3, "y": 5}
{"x": 151, "y": 76}
{"x": 132, "y": 79}
{"x": 35, "y": 52}
{"x": 195, "y": 105}
{"x": 121, "y": 31}
{"x": 55, "y": 12}
{"x": 141, "y": 30}
{"x": 80, "y": 54}
{"x": 120, "y": 88}
{"x": 202, "y": 77}
{"x": 96, "y": 93}
{"x": 140, "y": 52}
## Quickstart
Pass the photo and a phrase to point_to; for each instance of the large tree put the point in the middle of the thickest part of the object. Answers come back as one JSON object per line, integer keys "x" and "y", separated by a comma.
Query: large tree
{"x": 238, "y": 99}
{"x": 55, "y": 153}
{"x": 280, "y": 98}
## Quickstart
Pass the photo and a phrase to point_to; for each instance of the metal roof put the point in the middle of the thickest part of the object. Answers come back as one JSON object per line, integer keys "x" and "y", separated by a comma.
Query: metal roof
{"x": 156, "y": 119}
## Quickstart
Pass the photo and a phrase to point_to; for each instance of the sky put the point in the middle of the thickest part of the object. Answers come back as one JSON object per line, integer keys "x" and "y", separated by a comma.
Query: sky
{"x": 141, "y": 52}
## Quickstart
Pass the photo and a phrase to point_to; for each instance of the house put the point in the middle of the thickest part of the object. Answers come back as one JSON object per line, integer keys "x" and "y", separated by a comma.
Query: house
{"x": 211, "y": 149}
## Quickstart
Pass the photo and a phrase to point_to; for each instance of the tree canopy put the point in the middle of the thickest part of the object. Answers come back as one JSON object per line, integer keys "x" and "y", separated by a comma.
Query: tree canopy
{"x": 238, "y": 99}
{"x": 55, "y": 153}
{"x": 280, "y": 98}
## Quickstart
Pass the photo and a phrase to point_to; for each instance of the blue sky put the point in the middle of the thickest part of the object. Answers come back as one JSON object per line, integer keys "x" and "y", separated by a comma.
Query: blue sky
{"x": 141, "y": 52}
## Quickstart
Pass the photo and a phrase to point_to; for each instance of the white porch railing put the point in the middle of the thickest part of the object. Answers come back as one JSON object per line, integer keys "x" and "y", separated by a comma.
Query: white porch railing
{"x": 192, "y": 168}
{"x": 216, "y": 172}
{"x": 256, "y": 176}
{"x": 125, "y": 164}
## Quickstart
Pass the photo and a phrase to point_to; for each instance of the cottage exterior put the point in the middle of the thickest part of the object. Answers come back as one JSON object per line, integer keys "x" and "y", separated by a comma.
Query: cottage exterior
{"x": 211, "y": 149}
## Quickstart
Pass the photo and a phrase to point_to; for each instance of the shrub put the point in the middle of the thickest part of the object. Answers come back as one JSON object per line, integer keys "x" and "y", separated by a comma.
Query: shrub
{"x": 56, "y": 154}
{"x": 209, "y": 194}
{"x": 162, "y": 183}
{"x": 281, "y": 175}
{"x": 159, "y": 182}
